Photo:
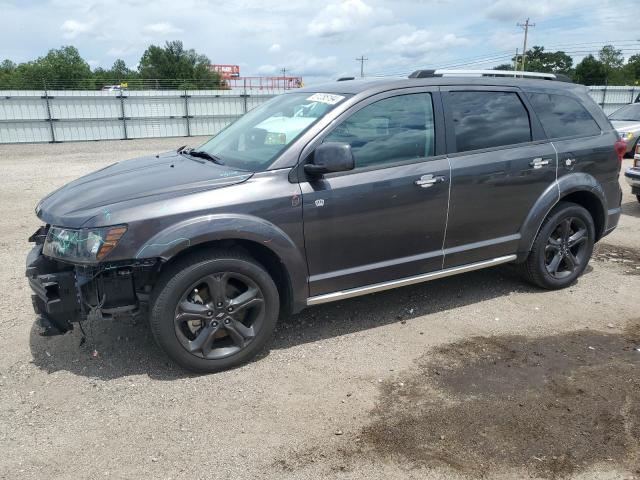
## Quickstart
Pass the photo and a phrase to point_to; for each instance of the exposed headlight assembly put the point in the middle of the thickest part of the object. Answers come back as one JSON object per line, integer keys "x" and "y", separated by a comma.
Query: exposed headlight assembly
{"x": 86, "y": 245}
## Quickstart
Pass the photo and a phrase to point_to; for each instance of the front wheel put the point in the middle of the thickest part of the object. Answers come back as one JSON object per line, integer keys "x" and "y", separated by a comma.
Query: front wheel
{"x": 214, "y": 310}
{"x": 562, "y": 247}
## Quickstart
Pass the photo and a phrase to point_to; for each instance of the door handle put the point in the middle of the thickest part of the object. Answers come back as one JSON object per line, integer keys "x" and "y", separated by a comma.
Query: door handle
{"x": 429, "y": 180}
{"x": 539, "y": 162}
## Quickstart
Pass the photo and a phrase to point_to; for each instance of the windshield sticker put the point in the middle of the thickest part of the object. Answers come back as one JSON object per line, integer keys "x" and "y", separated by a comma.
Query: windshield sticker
{"x": 328, "y": 98}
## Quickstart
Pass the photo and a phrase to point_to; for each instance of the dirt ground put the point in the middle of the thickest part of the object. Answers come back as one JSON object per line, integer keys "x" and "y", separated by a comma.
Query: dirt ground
{"x": 480, "y": 375}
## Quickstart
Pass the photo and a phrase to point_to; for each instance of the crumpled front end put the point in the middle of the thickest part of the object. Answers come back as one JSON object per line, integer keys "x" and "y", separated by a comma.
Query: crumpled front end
{"x": 67, "y": 293}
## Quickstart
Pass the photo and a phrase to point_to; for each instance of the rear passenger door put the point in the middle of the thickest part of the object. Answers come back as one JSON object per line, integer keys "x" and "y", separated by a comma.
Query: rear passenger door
{"x": 501, "y": 163}
{"x": 579, "y": 141}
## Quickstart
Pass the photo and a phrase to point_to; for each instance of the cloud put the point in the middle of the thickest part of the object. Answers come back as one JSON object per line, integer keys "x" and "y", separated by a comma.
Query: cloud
{"x": 275, "y": 48}
{"x": 420, "y": 42}
{"x": 302, "y": 64}
{"x": 161, "y": 28}
{"x": 72, "y": 28}
{"x": 342, "y": 17}
{"x": 511, "y": 10}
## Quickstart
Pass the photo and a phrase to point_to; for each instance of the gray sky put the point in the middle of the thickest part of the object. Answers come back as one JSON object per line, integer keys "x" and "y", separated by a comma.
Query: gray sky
{"x": 318, "y": 40}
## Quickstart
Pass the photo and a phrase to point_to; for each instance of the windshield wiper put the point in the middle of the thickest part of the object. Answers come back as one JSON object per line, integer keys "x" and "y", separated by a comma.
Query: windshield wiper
{"x": 203, "y": 154}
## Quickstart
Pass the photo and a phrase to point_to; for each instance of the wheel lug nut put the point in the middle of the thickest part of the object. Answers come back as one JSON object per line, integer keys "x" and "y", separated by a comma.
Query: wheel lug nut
{"x": 219, "y": 304}
{"x": 214, "y": 324}
{"x": 227, "y": 321}
{"x": 230, "y": 309}
{"x": 209, "y": 313}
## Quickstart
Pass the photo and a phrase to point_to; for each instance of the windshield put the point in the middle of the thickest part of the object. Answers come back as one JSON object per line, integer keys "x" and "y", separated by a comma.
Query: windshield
{"x": 630, "y": 113}
{"x": 258, "y": 137}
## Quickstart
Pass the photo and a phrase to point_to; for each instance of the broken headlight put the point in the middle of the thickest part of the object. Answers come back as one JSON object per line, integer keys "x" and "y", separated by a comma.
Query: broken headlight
{"x": 86, "y": 245}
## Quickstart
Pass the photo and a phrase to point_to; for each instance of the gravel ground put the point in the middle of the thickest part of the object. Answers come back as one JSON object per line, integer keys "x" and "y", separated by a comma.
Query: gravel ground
{"x": 478, "y": 375}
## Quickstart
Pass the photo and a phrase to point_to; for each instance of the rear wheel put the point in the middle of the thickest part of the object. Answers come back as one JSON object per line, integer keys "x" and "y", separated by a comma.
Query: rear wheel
{"x": 562, "y": 248}
{"x": 214, "y": 310}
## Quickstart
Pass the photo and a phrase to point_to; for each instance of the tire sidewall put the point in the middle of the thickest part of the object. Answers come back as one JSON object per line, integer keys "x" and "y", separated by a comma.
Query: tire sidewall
{"x": 169, "y": 294}
{"x": 555, "y": 218}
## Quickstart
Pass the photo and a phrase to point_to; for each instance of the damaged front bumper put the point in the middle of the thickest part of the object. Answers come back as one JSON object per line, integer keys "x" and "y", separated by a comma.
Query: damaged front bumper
{"x": 66, "y": 293}
{"x": 54, "y": 297}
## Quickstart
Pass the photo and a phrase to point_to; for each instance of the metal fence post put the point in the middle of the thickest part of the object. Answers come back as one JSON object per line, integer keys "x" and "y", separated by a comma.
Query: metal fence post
{"x": 124, "y": 118}
{"x": 244, "y": 95}
{"x": 49, "y": 118}
{"x": 186, "y": 112}
{"x": 604, "y": 97}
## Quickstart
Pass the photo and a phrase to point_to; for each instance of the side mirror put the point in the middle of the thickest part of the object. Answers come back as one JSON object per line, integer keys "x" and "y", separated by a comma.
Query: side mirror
{"x": 331, "y": 157}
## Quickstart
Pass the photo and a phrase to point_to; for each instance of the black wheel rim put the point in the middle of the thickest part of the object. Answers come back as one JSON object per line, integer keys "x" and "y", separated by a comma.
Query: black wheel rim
{"x": 566, "y": 248}
{"x": 219, "y": 315}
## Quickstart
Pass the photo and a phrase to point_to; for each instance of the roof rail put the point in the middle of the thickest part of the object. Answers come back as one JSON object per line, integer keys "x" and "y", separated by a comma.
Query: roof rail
{"x": 344, "y": 79}
{"x": 488, "y": 73}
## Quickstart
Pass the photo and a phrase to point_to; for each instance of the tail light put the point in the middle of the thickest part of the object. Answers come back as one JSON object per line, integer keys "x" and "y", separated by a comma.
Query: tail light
{"x": 621, "y": 148}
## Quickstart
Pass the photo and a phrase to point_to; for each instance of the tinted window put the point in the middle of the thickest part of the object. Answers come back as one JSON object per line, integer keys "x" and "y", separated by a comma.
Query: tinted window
{"x": 390, "y": 130}
{"x": 562, "y": 116}
{"x": 488, "y": 119}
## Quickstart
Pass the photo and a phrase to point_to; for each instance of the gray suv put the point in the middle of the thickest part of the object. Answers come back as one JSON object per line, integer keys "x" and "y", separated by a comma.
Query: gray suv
{"x": 326, "y": 193}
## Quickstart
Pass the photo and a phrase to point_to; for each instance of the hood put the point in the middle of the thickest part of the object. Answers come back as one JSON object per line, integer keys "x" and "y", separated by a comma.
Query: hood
{"x": 625, "y": 125}
{"x": 144, "y": 179}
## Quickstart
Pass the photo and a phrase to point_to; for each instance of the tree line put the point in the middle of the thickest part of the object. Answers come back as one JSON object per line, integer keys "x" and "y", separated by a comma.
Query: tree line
{"x": 607, "y": 68}
{"x": 169, "y": 66}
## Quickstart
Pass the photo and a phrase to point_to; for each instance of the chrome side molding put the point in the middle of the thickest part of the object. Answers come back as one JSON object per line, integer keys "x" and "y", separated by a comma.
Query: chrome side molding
{"x": 425, "y": 277}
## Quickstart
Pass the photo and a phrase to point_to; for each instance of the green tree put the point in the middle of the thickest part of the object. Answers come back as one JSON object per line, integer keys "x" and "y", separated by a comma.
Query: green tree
{"x": 549, "y": 62}
{"x": 117, "y": 74}
{"x": 591, "y": 71}
{"x": 59, "y": 68}
{"x": 504, "y": 66}
{"x": 172, "y": 66}
{"x": 633, "y": 66}
{"x": 611, "y": 58}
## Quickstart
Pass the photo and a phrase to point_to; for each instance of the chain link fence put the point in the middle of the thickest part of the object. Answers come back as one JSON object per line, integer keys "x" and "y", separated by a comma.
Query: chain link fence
{"x": 75, "y": 115}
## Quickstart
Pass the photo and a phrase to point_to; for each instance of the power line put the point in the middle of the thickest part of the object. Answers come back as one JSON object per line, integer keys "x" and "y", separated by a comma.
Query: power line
{"x": 361, "y": 60}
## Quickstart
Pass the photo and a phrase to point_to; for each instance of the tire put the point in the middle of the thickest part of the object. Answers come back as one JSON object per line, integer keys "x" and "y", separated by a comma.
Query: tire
{"x": 558, "y": 237}
{"x": 213, "y": 310}
{"x": 638, "y": 198}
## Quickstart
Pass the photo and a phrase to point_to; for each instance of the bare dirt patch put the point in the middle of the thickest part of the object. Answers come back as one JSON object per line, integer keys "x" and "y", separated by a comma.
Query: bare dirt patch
{"x": 552, "y": 405}
{"x": 625, "y": 257}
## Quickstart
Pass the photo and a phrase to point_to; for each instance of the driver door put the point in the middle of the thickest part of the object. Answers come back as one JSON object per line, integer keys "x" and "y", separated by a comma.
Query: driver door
{"x": 385, "y": 220}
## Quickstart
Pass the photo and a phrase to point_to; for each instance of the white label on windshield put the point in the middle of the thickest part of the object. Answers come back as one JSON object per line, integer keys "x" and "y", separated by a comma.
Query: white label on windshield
{"x": 328, "y": 98}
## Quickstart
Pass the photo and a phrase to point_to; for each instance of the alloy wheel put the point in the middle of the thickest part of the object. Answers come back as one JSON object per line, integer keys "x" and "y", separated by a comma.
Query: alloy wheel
{"x": 219, "y": 315}
{"x": 566, "y": 248}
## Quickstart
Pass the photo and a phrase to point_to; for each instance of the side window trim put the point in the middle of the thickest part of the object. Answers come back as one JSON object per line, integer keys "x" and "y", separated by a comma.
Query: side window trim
{"x": 537, "y": 133}
{"x": 439, "y": 127}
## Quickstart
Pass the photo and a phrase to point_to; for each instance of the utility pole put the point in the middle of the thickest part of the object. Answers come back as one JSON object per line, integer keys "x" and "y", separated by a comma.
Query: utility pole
{"x": 515, "y": 62}
{"x": 525, "y": 26}
{"x": 284, "y": 77}
{"x": 361, "y": 60}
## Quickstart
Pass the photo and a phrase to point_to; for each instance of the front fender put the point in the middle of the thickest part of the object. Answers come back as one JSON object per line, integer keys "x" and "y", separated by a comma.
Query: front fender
{"x": 198, "y": 230}
{"x": 565, "y": 185}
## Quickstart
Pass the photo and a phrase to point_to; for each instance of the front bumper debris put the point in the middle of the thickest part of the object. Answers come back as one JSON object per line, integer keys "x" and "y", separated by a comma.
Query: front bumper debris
{"x": 55, "y": 296}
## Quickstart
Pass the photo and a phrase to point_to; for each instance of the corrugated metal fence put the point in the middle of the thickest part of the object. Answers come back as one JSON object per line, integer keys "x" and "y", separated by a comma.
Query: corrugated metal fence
{"x": 72, "y": 115}
{"x": 612, "y": 98}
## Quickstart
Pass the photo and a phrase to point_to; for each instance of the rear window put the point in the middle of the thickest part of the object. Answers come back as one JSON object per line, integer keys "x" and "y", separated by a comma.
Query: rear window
{"x": 562, "y": 116}
{"x": 488, "y": 119}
